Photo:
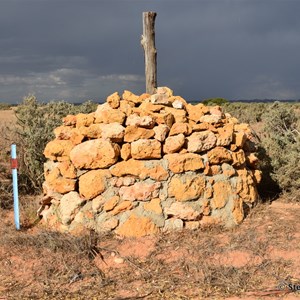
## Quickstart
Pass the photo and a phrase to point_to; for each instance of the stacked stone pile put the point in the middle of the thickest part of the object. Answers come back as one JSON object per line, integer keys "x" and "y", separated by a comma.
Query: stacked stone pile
{"x": 149, "y": 163}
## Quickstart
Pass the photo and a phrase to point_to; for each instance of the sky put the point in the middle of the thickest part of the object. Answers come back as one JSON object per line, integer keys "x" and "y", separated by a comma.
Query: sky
{"x": 77, "y": 50}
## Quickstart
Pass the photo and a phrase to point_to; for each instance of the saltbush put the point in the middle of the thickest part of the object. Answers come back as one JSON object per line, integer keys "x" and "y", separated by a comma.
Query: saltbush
{"x": 35, "y": 124}
{"x": 281, "y": 140}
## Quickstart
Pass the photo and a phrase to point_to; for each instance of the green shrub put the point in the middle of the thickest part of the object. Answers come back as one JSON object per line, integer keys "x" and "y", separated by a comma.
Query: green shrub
{"x": 246, "y": 112}
{"x": 215, "y": 101}
{"x": 35, "y": 124}
{"x": 281, "y": 141}
{"x": 5, "y": 106}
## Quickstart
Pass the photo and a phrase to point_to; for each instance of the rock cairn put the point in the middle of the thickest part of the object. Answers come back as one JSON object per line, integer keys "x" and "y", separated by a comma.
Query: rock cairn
{"x": 144, "y": 164}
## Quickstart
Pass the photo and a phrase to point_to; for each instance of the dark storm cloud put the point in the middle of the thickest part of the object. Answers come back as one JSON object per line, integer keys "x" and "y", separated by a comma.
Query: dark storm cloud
{"x": 86, "y": 49}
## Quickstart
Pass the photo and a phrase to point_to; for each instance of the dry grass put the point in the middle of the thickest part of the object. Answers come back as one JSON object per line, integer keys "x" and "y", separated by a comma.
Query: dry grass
{"x": 40, "y": 264}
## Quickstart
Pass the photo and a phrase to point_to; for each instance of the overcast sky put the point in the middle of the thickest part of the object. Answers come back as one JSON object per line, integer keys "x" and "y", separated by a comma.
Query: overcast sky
{"x": 76, "y": 50}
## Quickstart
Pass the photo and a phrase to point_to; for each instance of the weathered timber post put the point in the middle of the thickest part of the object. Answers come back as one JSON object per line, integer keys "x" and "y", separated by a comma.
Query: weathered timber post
{"x": 148, "y": 43}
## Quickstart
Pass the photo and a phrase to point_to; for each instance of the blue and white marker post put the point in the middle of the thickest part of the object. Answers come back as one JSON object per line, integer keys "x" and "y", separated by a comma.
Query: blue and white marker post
{"x": 14, "y": 167}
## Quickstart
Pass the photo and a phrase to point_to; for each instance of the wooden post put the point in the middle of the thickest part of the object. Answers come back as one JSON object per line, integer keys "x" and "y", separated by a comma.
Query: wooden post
{"x": 148, "y": 43}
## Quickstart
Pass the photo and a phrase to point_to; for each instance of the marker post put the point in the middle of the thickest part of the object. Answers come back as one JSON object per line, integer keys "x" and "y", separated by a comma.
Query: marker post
{"x": 14, "y": 167}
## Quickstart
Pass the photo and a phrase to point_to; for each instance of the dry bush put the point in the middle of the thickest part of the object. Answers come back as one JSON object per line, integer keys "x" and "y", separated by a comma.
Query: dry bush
{"x": 35, "y": 124}
{"x": 281, "y": 141}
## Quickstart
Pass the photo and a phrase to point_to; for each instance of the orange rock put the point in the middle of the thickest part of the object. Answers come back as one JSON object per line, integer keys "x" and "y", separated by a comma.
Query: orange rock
{"x": 222, "y": 192}
{"x": 239, "y": 138}
{"x": 123, "y": 206}
{"x": 215, "y": 170}
{"x": 58, "y": 150}
{"x": 68, "y": 207}
{"x": 129, "y": 96}
{"x": 195, "y": 112}
{"x": 136, "y": 226}
{"x": 157, "y": 172}
{"x": 114, "y": 100}
{"x": 257, "y": 176}
{"x": 113, "y": 131}
{"x": 144, "y": 121}
{"x": 179, "y": 114}
{"x": 129, "y": 167}
{"x": 228, "y": 170}
{"x": 94, "y": 131}
{"x": 143, "y": 97}
{"x": 133, "y": 133}
{"x": 163, "y": 118}
{"x": 182, "y": 211}
{"x": 233, "y": 147}
{"x": 252, "y": 161}
{"x": 201, "y": 141}
{"x": 140, "y": 191}
{"x": 238, "y": 158}
{"x": 95, "y": 154}
{"x": 146, "y": 149}
{"x": 126, "y": 107}
{"x": 174, "y": 143}
{"x": 161, "y": 132}
{"x": 178, "y": 128}
{"x": 69, "y": 120}
{"x": 179, "y": 163}
{"x": 173, "y": 99}
{"x": 208, "y": 193}
{"x": 225, "y": 135}
{"x": 238, "y": 211}
{"x": 84, "y": 120}
{"x": 153, "y": 206}
{"x": 108, "y": 225}
{"x": 106, "y": 114}
{"x": 126, "y": 151}
{"x": 245, "y": 186}
{"x": 59, "y": 184}
{"x": 212, "y": 119}
{"x": 219, "y": 155}
{"x": 200, "y": 127}
{"x": 68, "y": 133}
{"x": 111, "y": 203}
{"x": 148, "y": 106}
{"x": 67, "y": 169}
{"x": 186, "y": 187}
{"x": 164, "y": 90}
{"x": 93, "y": 183}
{"x": 206, "y": 209}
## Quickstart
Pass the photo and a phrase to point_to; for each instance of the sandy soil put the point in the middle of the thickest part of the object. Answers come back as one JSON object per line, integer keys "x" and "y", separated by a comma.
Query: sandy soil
{"x": 247, "y": 262}
{"x": 7, "y": 116}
